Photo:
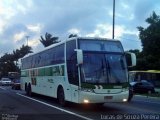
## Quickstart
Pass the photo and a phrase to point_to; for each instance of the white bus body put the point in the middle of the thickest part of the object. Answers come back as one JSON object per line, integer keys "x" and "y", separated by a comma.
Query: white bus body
{"x": 79, "y": 70}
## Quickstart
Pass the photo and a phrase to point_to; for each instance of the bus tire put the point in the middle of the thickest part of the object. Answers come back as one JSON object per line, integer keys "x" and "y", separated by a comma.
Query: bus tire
{"x": 61, "y": 96}
{"x": 25, "y": 87}
{"x": 130, "y": 96}
{"x": 29, "y": 90}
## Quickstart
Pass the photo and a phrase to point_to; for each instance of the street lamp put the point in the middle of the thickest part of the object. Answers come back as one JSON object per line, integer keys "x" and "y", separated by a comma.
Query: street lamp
{"x": 113, "y": 18}
{"x": 27, "y": 39}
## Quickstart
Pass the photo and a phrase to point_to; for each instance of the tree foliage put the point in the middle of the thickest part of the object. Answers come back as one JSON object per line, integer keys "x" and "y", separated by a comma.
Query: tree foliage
{"x": 8, "y": 62}
{"x": 72, "y": 35}
{"x": 150, "y": 38}
{"x": 141, "y": 62}
{"x": 48, "y": 40}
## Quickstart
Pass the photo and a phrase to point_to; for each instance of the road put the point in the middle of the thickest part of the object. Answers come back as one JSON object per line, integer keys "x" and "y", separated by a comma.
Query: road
{"x": 15, "y": 105}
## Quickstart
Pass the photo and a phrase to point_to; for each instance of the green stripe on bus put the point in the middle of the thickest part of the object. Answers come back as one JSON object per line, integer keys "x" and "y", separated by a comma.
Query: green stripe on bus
{"x": 58, "y": 70}
{"x": 105, "y": 86}
{"x": 48, "y": 71}
{"x": 113, "y": 86}
{"x": 41, "y": 72}
{"x": 24, "y": 74}
{"x": 87, "y": 85}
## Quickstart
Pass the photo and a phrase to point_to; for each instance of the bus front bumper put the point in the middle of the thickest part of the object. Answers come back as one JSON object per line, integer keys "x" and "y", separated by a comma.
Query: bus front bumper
{"x": 89, "y": 97}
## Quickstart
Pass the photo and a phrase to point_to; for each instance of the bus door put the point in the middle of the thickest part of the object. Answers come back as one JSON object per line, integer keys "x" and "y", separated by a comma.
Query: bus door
{"x": 72, "y": 69}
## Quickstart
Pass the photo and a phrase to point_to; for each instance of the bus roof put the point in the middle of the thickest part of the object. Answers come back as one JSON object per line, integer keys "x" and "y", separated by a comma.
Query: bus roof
{"x": 69, "y": 39}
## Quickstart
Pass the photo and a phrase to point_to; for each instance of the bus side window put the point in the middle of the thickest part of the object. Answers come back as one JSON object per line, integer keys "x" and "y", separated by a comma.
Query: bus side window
{"x": 71, "y": 57}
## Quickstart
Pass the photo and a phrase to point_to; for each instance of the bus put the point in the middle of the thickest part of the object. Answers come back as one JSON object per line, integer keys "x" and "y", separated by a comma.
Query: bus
{"x": 79, "y": 70}
{"x": 152, "y": 76}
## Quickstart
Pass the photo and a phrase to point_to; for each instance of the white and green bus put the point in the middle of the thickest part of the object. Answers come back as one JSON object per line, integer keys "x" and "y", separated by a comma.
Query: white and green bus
{"x": 79, "y": 70}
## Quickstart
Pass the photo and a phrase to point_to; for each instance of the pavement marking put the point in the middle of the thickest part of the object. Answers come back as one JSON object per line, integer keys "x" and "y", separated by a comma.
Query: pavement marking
{"x": 63, "y": 110}
{"x": 2, "y": 88}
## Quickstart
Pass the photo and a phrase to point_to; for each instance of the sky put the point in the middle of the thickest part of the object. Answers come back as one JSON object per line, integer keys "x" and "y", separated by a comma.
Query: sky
{"x": 86, "y": 18}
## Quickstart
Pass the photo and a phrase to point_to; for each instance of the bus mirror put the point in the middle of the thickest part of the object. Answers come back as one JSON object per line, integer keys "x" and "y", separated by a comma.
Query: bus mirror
{"x": 79, "y": 56}
{"x": 131, "y": 59}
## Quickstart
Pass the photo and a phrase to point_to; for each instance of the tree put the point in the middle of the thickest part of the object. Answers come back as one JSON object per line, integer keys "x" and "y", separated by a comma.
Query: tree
{"x": 7, "y": 61}
{"x": 48, "y": 40}
{"x": 7, "y": 64}
{"x": 150, "y": 38}
{"x": 20, "y": 53}
{"x": 141, "y": 62}
{"x": 24, "y": 50}
{"x": 72, "y": 35}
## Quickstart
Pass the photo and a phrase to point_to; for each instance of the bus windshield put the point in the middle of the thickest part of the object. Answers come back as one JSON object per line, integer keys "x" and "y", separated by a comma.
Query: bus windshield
{"x": 104, "y": 68}
{"x": 100, "y": 45}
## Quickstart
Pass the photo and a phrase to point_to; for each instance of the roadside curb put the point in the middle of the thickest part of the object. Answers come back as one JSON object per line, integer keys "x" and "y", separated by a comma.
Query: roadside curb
{"x": 147, "y": 97}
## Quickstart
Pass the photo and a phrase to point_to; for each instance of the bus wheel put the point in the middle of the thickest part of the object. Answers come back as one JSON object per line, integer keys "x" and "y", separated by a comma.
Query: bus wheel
{"x": 130, "y": 96}
{"x": 61, "y": 97}
{"x": 29, "y": 90}
{"x": 25, "y": 87}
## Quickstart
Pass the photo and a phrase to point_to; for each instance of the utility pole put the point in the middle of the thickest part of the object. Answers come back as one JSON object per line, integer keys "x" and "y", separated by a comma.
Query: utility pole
{"x": 27, "y": 39}
{"x": 113, "y": 18}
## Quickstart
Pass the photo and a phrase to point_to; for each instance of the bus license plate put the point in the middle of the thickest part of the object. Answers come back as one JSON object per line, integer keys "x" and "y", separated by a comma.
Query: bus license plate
{"x": 108, "y": 97}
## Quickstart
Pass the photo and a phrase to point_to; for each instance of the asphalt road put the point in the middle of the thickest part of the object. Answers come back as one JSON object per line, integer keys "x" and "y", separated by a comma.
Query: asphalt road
{"x": 15, "y": 105}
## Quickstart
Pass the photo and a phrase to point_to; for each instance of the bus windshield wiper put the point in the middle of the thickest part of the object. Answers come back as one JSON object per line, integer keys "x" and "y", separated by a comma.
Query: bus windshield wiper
{"x": 107, "y": 68}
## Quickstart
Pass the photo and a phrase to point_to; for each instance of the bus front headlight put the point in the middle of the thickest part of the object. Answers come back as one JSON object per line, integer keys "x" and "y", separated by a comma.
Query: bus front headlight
{"x": 124, "y": 100}
{"x": 86, "y": 101}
